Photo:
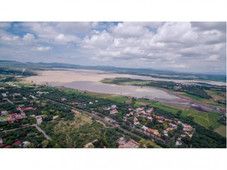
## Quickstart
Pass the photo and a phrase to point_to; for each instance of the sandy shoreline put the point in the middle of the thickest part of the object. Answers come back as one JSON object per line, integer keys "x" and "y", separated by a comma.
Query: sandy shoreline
{"x": 72, "y": 75}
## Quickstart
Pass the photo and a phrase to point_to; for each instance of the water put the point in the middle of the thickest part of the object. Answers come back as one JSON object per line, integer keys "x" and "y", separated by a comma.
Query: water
{"x": 132, "y": 91}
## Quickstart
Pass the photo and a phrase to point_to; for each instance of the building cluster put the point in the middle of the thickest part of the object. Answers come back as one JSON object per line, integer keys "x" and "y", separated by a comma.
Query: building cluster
{"x": 150, "y": 116}
{"x": 112, "y": 109}
{"x": 11, "y": 117}
{"x": 124, "y": 143}
{"x": 17, "y": 143}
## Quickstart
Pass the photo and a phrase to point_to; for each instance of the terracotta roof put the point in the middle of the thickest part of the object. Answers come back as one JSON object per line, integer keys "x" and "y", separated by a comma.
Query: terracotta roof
{"x": 17, "y": 143}
{"x": 8, "y": 146}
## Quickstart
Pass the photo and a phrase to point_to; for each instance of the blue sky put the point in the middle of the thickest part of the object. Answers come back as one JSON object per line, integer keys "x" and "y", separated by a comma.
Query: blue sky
{"x": 178, "y": 46}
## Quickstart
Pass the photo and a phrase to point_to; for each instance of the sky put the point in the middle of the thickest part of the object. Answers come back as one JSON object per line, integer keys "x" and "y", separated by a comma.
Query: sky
{"x": 177, "y": 46}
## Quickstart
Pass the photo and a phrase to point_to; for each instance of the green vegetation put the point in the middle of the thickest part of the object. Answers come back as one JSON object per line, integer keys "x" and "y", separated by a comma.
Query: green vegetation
{"x": 30, "y": 134}
{"x": 194, "y": 97}
{"x": 195, "y": 91}
{"x": 221, "y": 130}
{"x": 73, "y": 133}
{"x": 148, "y": 143}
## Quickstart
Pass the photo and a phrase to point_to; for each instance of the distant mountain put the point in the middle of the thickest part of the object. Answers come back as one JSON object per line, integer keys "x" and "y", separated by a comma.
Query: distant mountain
{"x": 133, "y": 71}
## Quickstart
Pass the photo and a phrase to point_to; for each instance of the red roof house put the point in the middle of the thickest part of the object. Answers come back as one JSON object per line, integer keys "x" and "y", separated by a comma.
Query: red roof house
{"x": 17, "y": 143}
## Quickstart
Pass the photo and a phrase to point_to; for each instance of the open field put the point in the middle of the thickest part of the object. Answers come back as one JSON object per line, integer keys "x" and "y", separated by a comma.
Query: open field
{"x": 202, "y": 118}
{"x": 221, "y": 130}
{"x": 194, "y": 97}
{"x": 74, "y": 133}
{"x": 216, "y": 95}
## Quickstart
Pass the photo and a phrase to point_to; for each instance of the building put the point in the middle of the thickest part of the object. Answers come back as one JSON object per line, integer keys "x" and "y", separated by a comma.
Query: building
{"x": 29, "y": 108}
{"x": 39, "y": 119}
{"x": 178, "y": 143}
{"x": 128, "y": 144}
{"x": 75, "y": 112}
{"x": 1, "y": 141}
{"x": 55, "y": 117}
{"x": 24, "y": 144}
{"x": 113, "y": 107}
{"x": 112, "y": 112}
{"x": 144, "y": 128}
{"x": 17, "y": 143}
{"x": 4, "y": 113}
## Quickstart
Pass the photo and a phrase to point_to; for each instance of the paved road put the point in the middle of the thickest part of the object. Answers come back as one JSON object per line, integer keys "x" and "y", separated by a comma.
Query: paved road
{"x": 42, "y": 131}
{"x": 16, "y": 128}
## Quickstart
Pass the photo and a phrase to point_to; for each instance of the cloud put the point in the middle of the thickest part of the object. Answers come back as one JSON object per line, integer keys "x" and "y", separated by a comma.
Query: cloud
{"x": 183, "y": 46}
{"x": 213, "y": 58}
{"x": 28, "y": 37}
{"x": 4, "y": 25}
{"x": 40, "y": 48}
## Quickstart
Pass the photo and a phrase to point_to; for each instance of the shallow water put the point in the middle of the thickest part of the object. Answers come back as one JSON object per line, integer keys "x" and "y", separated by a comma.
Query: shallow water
{"x": 132, "y": 91}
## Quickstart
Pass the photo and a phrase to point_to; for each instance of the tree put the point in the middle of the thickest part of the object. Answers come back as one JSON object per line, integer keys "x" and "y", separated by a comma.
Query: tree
{"x": 45, "y": 143}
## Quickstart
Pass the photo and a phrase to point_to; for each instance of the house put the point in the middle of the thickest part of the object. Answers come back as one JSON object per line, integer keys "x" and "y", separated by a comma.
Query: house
{"x": 178, "y": 143}
{"x": 160, "y": 121}
{"x": 150, "y": 110}
{"x": 89, "y": 145}
{"x": 106, "y": 108}
{"x": 19, "y": 116}
{"x": 165, "y": 133}
{"x": 75, "y": 103}
{"x": 24, "y": 144}
{"x": 150, "y": 118}
{"x": 121, "y": 141}
{"x": 90, "y": 102}
{"x": 160, "y": 117}
{"x": 17, "y": 143}
{"x": 168, "y": 120}
{"x": 179, "y": 138}
{"x": 55, "y": 117}
{"x": 83, "y": 105}
{"x": 96, "y": 101}
{"x": 32, "y": 96}
{"x": 144, "y": 128}
{"x": 4, "y": 113}
{"x": 154, "y": 131}
{"x": 173, "y": 125}
{"x": 183, "y": 135}
{"x": 112, "y": 112}
{"x": 28, "y": 108}
{"x": 169, "y": 128}
{"x": 190, "y": 135}
{"x": 129, "y": 144}
{"x": 13, "y": 116}
{"x": 38, "y": 119}
{"x": 187, "y": 128}
{"x": 4, "y": 94}
{"x": 7, "y": 146}
{"x": 113, "y": 107}
{"x": 63, "y": 99}
{"x": 75, "y": 112}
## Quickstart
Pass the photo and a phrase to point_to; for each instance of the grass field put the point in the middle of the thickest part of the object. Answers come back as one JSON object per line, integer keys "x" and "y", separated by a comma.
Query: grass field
{"x": 202, "y": 118}
{"x": 208, "y": 120}
{"x": 216, "y": 95}
{"x": 194, "y": 97}
{"x": 221, "y": 130}
{"x": 74, "y": 133}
